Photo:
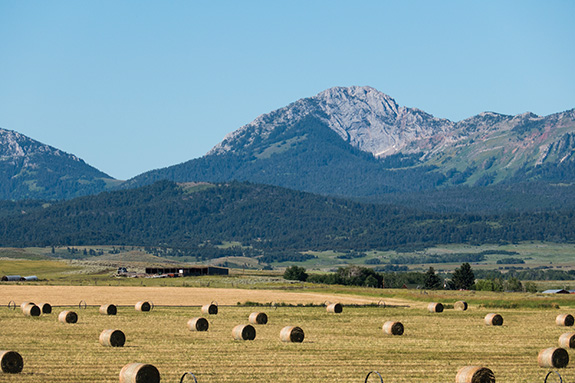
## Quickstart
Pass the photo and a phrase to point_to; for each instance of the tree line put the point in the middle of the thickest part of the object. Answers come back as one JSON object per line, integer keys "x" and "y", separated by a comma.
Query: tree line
{"x": 463, "y": 277}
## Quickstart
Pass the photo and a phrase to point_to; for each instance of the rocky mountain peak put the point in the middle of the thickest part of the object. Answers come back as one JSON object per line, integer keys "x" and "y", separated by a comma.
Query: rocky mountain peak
{"x": 14, "y": 145}
{"x": 358, "y": 98}
{"x": 363, "y": 116}
{"x": 9, "y": 146}
{"x": 31, "y": 169}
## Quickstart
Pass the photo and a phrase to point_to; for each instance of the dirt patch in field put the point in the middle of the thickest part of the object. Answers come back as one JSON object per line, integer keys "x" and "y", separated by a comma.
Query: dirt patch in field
{"x": 185, "y": 296}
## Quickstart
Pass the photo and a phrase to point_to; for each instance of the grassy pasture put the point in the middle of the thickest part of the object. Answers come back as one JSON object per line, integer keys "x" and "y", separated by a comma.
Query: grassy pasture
{"x": 535, "y": 254}
{"x": 43, "y": 268}
{"x": 337, "y": 347}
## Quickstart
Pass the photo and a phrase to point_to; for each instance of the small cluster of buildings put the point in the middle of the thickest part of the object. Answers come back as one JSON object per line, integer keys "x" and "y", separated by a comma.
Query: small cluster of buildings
{"x": 175, "y": 272}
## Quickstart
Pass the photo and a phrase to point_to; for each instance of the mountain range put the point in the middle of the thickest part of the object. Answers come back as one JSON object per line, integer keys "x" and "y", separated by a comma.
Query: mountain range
{"x": 345, "y": 141}
{"x": 358, "y": 142}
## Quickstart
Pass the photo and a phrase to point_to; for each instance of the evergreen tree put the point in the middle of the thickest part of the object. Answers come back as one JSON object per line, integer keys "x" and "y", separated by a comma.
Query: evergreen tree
{"x": 463, "y": 277}
{"x": 432, "y": 281}
{"x": 295, "y": 273}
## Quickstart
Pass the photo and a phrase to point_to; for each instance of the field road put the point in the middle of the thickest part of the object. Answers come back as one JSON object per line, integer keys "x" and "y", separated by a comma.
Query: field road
{"x": 184, "y": 296}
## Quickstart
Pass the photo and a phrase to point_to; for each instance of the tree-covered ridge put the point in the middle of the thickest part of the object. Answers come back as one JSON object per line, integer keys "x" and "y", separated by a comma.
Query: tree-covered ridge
{"x": 493, "y": 199}
{"x": 8, "y": 208}
{"x": 269, "y": 222}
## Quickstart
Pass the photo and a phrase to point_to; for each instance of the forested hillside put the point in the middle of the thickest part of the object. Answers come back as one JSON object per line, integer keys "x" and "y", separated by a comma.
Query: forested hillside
{"x": 494, "y": 199}
{"x": 270, "y": 221}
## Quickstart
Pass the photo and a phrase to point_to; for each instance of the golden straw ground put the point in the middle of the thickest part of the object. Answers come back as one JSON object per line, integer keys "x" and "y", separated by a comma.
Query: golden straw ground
{"x": 129, "y": 295}
{"x": 337, "y": 348}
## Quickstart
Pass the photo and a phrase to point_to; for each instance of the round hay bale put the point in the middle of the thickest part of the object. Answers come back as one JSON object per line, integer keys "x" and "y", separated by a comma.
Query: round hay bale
{"x": 112, "y": 338}
{"x": 210, "y": 309}
{"x": 335, "y": 308}
{"x": 143, "y": 306}
{"x": 32, "y": 310}
{"x": 108, "y": 310}
{"x": 435, "y": 307}
{"x": 493, "y": 319}
{"x": 139, "y": 373}
{"x": 553, "y": 357}
{"x": 474, "y": 374}
{"x": 45, "y": 307}
{"x": 567, "y": 340}
{"x": 565, "y": 320}
{"x": 258, "y": 318}
{"x": 198, "y": 324}
{"x": 393, "y": 328}
{"x": 68, "y": 317}
{"x": 244, "y": 332}
{"x": 24, "y": 304}
{"x": 11, "y": 362}
{"x": 460, "y": 305}
{"x": 292, "y": 334}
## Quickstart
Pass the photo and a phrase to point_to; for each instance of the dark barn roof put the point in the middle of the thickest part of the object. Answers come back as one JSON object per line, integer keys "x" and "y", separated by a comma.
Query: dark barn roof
{"x": 195, "y": 270}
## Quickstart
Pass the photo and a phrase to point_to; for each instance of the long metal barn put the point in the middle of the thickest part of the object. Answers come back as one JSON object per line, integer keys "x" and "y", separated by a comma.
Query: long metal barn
{"x": 188, "y": 271}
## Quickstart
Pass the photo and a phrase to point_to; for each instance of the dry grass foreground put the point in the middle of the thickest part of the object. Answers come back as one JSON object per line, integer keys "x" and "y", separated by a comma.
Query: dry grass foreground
{"x": 337, "y": 347}
{"x": 170, "y": 296}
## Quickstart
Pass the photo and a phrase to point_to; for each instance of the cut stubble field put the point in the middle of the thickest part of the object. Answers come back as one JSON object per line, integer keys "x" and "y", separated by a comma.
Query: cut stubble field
{"x": 337, "y": 347}
{"x": 170, "y": 296}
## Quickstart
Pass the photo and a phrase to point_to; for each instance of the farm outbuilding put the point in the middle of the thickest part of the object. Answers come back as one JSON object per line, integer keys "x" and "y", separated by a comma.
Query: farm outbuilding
{"x": 10, "y": 278}
{"x": 188, "y": 271}
{"x": 17, "y": 278}
{"x": 559, "y": 291}
{"x": 29, "y": 278}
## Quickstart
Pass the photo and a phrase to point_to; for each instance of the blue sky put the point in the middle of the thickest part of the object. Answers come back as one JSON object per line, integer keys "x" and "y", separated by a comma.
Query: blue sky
{"x": 131, "y": 86}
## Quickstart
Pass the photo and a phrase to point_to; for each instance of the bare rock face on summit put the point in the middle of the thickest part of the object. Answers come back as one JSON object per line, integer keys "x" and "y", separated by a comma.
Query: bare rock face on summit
{"x": 373, "y": 122}
{"x": 366, "y": 118}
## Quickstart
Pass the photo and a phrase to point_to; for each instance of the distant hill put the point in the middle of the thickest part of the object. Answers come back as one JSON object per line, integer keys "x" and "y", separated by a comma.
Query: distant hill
{"x": 32, "y": 170}
{"x": 271, "y": 223}
{"x": 358, "y": 142}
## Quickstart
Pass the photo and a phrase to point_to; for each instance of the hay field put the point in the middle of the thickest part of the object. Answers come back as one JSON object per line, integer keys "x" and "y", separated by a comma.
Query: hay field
{"x": 192, "y": 296}
{"x": 337, "y": 347}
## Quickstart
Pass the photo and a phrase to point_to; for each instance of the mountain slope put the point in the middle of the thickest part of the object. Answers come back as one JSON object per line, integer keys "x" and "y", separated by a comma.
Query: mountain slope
{"x": 307, "y": 156}
{"x": 359, "y": 142}
{"x": 32, "y": 170}
{"x": 495, "y": 148}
